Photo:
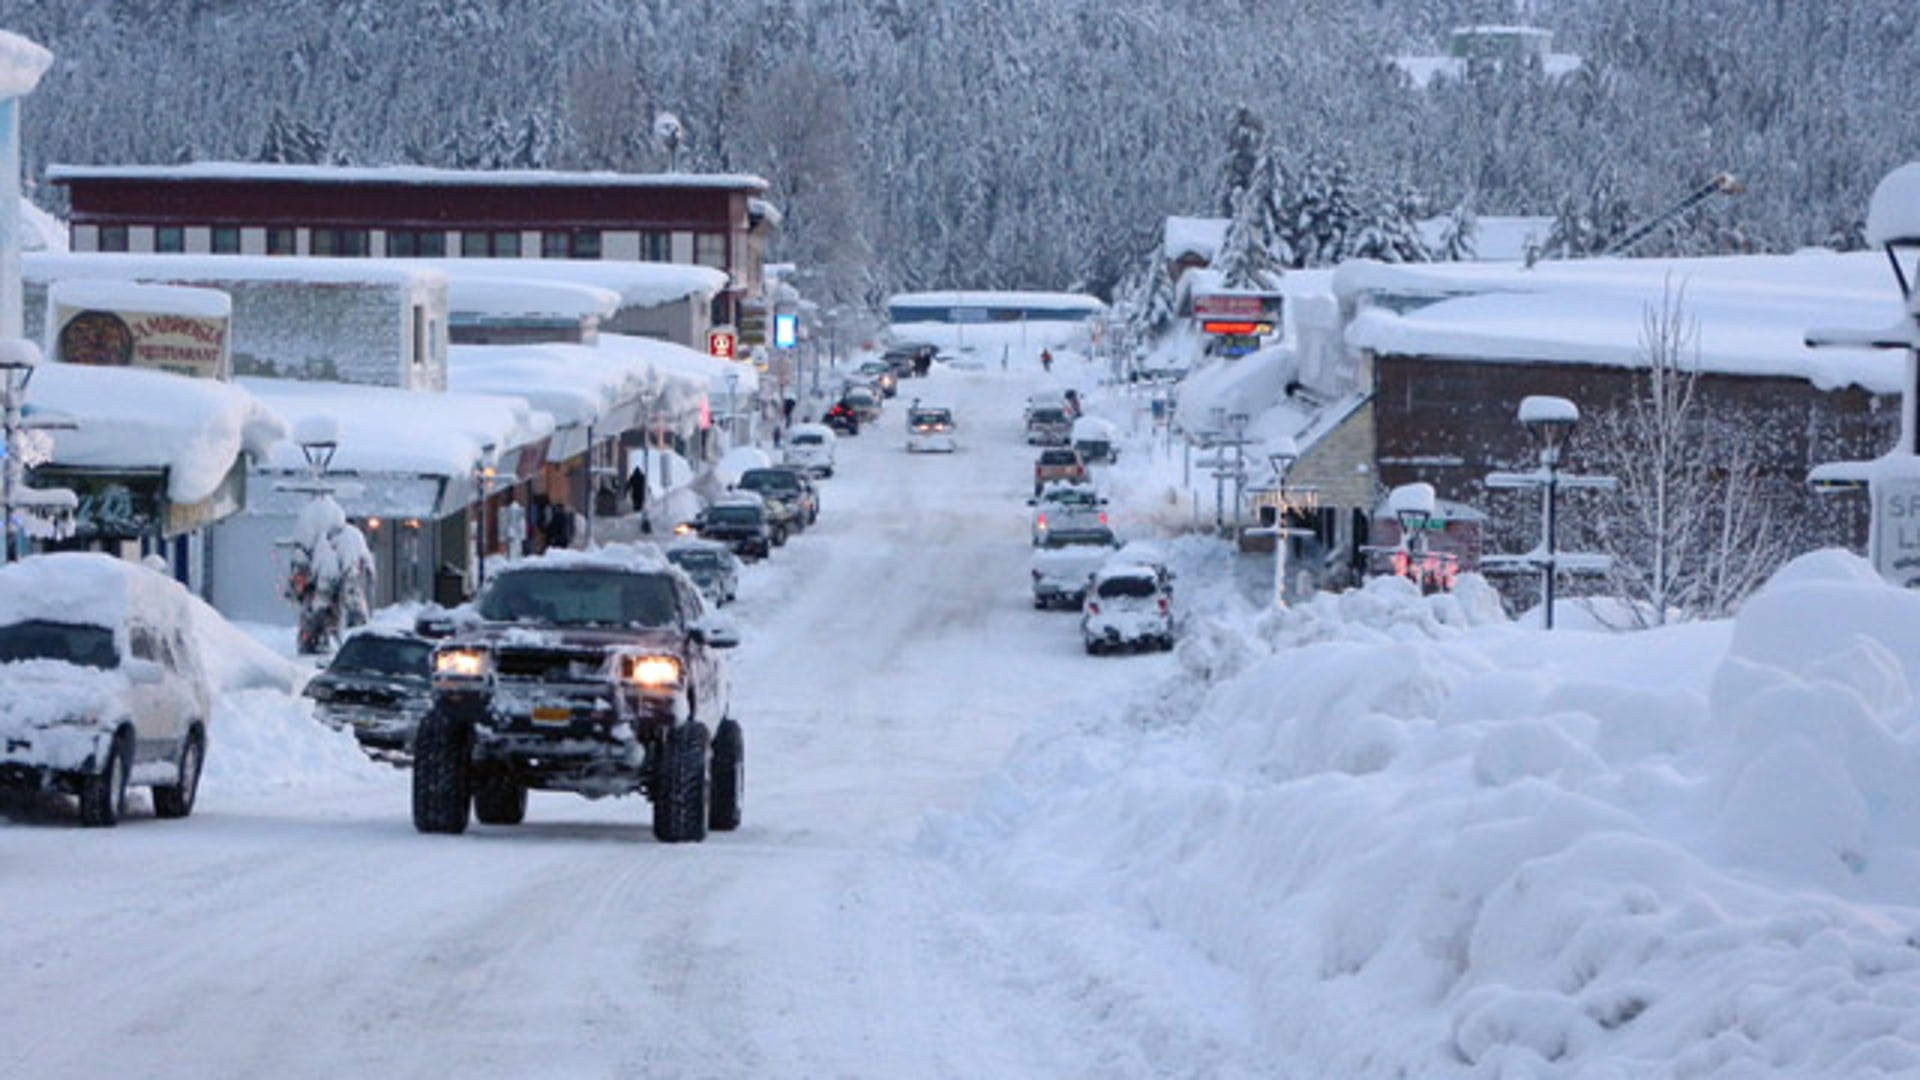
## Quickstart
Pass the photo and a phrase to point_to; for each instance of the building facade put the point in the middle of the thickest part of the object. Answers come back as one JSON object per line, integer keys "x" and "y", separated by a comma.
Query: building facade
{"x": 215, "y": 208}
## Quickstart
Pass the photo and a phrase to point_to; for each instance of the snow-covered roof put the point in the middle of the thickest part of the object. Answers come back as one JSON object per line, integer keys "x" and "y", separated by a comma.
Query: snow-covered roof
{"x": 385, "y": 430}
{"x": 22, "y": 62}
{"x": 1194, "y": 236}
{"x": 1894, "y": 213}
{"x": 1751, "y": 312}
{"x": 765, "y": 211}
{"x": 638, "y": 284}
{"x": 404, "y": 174}
{"x": 519, "y": 298}
{"x": 130, "y": 418}
{"x": 1059, "y": 300}
{"x": 129, "y": 298}
{"x": 59, "y": 266}
{"x": 39, "y": 230}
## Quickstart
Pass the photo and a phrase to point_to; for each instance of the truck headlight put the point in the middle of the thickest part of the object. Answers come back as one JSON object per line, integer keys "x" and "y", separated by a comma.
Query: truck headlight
{"x": 654, "y": 672}
{"x": 462, "y": 663}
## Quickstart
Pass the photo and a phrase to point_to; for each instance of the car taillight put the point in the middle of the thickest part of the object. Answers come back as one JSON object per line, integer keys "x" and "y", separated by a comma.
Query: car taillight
{"x": 1042, "y": 522}
{"x": 1163, "y": 605}
{"x": 1103, "y": 517}
{"x": 1093, "y": 608}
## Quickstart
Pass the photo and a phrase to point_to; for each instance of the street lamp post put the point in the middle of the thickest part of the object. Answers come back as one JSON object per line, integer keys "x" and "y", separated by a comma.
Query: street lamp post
{"x": 1549, "y": 420}
{"x": 1281, "y": 455}
{"x": 18, "y": 358}
{"x": 483, "y": 473}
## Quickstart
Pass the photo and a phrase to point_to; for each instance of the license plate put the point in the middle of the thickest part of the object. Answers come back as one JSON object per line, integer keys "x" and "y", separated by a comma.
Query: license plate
{"x": 549, "y": 714}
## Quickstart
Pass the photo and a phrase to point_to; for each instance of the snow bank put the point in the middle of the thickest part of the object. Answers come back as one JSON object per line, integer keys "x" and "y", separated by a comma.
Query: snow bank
{"x": 1415, "y": 839}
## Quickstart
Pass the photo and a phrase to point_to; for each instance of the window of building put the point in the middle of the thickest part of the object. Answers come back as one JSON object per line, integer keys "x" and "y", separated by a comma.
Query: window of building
{"x": 113, "y": 238}
{"x": 710, "y": 249}
{"x": 655, "y": 247}
{"x": 226, "y": 240}
{"x": 506, "y": 245}
{"x": 555, "y": 245}
{"x": 415, "y": 243}
{"x": 473, "y": 245}
{"x": 339, "y": 243}
{"x": 169, "y": 239}
{"x": 283, "y": 240}
{"x": 586, "y": 244}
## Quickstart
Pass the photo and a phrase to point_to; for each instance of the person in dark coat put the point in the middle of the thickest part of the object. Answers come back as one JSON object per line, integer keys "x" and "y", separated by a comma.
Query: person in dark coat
{"x": 637, "y": 488}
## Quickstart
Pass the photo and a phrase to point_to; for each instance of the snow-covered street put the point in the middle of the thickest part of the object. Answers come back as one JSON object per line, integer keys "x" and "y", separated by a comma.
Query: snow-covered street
{"x": 892, "y": 657}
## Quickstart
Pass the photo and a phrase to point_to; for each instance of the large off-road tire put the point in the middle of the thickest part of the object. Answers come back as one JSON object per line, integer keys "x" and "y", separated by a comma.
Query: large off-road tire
{"x": 175, "y": 800}
{"x": 729, "y": 777}
{"x": 103, "y": 795}
{"x": 680, "y": 791}
{"x": 499, "y": 799}
{"x": 442, "y": 773}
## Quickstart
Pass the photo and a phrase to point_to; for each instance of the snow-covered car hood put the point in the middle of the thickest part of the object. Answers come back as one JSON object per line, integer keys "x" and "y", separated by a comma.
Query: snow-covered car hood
{"x": 37, "y": 694}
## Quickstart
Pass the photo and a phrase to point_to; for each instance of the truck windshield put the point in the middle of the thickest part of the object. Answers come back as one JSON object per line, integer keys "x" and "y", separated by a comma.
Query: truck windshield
{"x": 581, "y": 598}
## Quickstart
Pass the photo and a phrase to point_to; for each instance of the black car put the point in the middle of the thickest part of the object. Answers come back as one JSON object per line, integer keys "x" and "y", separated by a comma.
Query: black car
{"x": 595, "y": 673}
{"x": 842, "y": 418}
{"x": 742, "y": 523}
{"x": 377, "y": 686}
{"x": 787, "y": 491}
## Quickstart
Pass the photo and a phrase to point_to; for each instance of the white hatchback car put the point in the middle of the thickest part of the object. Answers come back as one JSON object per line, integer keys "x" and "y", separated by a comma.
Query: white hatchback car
{"x": 101, "y": 684}
{"x": 810, "y": 447}
{"x": 930, "y": 429}
{"x": 1127, "y": 606}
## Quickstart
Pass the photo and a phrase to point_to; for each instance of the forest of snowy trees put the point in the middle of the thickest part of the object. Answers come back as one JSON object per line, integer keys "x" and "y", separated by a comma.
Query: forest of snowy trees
{"x": 1032, "y": 143}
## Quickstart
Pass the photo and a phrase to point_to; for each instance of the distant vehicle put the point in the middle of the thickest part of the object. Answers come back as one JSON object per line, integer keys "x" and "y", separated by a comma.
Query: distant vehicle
{"x": 864, "y": 402}
{"x": 1063, "y": 505}
{"x": 101, "y": 684}
{"x": 1096, "y": 439}
{"x": 842, "y": 418}
{"x": 1048, "y": 425}
{"x": 788, "y": 493}
{"x": 377, "y": 686}
{"x": 1127, "y": 606}
{"x": 742, "y": 523}
{"x": 711, "y": 565}
{"x": 810, "y": 447}
{"x": 909, "y": 361}
{"x": 930, "y": 429}
{"x": 1058, "y": 463}
{"x": 1064, "y": 562}
{"x": 599, "y": 673}
{"x": 880, "y": 375}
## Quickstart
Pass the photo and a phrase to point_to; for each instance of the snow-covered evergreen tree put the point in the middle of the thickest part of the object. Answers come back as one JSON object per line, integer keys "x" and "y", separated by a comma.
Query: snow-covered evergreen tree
{"x": 291, "y": 142}
{"x": 1241, "y": 165}
{"x": 1459, "y": 240}
{"x": 1244, "y": 261}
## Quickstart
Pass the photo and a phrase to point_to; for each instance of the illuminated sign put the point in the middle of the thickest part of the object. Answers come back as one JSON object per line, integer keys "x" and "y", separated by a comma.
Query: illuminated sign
{"x": 720, "y": 344}
{"x": 1235, "y": 329}
{"x": 786, "y": 330}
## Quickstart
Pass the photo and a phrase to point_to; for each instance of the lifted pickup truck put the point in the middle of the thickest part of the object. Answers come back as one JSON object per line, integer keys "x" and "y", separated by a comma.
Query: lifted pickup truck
{"x": 592, "y": 672}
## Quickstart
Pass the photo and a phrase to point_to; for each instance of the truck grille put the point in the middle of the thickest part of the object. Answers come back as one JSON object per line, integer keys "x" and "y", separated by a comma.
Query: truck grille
{"x": 548, "y": 665}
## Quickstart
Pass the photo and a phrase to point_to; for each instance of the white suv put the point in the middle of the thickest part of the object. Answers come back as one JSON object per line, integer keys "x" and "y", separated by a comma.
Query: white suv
{"x": 810, "y": 447}
{"x": 1127, "y": 606}
{"x": 101, "y": 685}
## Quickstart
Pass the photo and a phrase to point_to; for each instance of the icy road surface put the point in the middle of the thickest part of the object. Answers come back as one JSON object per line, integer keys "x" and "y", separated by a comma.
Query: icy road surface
{"x": 892, "y": 656}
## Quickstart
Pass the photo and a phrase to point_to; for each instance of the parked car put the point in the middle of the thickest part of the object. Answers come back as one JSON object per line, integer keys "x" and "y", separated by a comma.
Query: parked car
{"x": 599, "y": 673}
{"x": 810, "y": 447}
{"x": 1064, "y": 505}
{"x": 789, "y": 495}
{"x": 711, "y": 565}
{"x": 101, "y": 684}
{"x": 1058, "y": 463}
{"x": 1127, "y": 606}
{"x": 842, "y": 418}
{"x": 881, "y": 375}
{"x": 742, "y": 523}
{"x": 1065, "y": 560}
{"x": 1096, "y": 439}
{"x": 930, "y": 428}
{"x": 909, "y": 361}
{"x": 377, "y": 686}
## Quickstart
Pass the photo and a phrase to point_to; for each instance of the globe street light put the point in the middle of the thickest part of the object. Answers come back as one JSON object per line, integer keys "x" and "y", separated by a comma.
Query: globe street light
{"x": 1550, "y": 421}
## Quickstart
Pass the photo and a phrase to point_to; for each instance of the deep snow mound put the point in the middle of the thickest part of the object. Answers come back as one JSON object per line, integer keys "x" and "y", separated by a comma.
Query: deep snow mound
{"x": 1410, "y": 840}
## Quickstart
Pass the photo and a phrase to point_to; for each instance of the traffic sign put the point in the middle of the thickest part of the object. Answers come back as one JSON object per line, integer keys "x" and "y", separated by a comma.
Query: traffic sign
{"x": 720, "y": 344}
{"x": 1896, "y": 529}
